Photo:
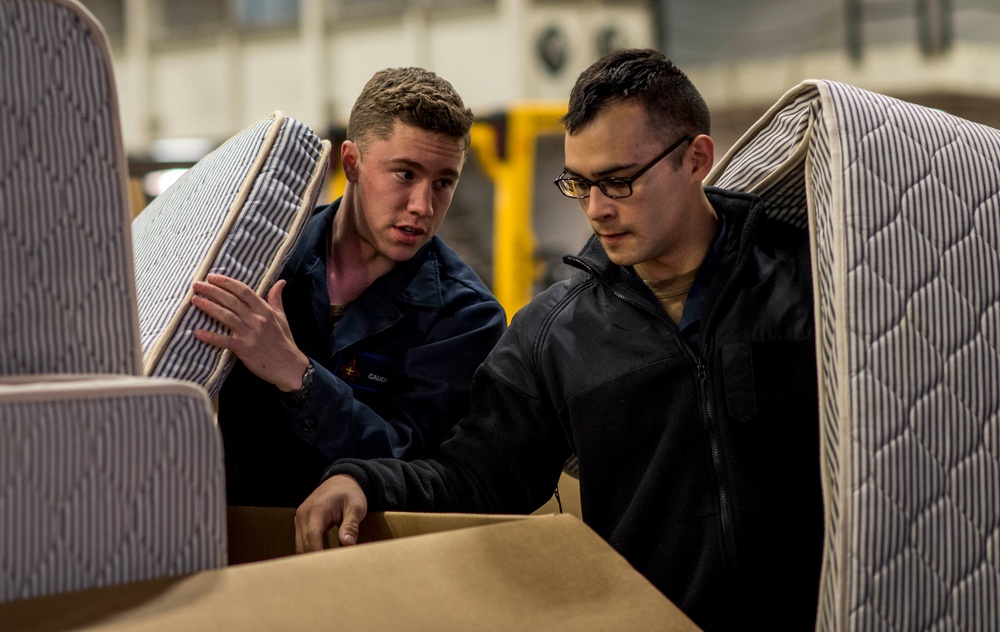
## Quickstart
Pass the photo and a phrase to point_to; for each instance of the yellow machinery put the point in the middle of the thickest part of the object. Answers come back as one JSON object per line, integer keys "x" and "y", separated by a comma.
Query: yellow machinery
{"x": 510, "y": 164}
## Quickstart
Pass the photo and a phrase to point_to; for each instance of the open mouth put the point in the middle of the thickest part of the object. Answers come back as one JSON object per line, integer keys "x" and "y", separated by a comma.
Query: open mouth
{"x": 410, "y": 234}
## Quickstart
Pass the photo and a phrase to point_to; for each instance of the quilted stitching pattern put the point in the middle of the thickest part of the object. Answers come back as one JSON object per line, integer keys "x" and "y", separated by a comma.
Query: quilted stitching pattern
{"x": 61, "y": 194}
{"x": 905, "y": 213}
{"x": 238, "y": 212}
{"x": 923, "y": 259}
{"x": 107, "y": 481}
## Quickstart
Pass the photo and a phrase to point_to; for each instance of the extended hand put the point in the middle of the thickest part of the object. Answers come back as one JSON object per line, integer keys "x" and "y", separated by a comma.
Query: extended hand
{"x": 259, "y": 333}
{"x": 338, "y": 500}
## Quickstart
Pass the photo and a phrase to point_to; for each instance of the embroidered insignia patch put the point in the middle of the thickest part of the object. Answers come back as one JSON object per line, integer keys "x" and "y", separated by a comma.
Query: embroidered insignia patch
{"x": 366, "y": 371}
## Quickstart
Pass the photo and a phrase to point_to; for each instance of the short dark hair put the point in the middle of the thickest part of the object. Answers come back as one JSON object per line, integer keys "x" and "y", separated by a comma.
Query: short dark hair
{"x": 643, "y": 76}
{"x": 413, "y": 96}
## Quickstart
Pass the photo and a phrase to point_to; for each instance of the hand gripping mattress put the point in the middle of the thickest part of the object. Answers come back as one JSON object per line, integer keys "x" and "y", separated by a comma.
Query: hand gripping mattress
{"x": 62, "y": 198}
{"x": 903, "y": 206}
{"x": 105, "y": 481}
{"x": 238, "y": 212}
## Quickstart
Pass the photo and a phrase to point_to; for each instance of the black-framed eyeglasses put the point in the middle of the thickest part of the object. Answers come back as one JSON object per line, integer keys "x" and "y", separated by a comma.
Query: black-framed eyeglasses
{"x": 615, "y": 188}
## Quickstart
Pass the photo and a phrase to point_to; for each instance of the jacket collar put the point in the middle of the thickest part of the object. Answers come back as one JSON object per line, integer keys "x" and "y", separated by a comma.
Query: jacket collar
{"x": 415, "y": 282}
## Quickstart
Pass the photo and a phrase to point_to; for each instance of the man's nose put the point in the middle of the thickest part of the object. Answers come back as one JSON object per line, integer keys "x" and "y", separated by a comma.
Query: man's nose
{"x": 598, "y": 206}
{"x": 422, "y": 199}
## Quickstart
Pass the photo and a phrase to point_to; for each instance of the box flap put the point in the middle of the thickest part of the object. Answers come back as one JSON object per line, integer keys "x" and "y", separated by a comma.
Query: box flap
{"x": 548, "y": 572}
{"x": 264, "y": 533}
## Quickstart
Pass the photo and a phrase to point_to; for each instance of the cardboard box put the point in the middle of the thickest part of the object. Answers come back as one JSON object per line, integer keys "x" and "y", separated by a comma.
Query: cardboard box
{"x": 460, "y": 573}
{"x": 263, "y": 533}
{"x": 256, "y": 534}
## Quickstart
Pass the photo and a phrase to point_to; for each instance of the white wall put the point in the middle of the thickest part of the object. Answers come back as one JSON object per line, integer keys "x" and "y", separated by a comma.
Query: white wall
{"x": 896, "y": 70}
{"x": 212, "y": 86}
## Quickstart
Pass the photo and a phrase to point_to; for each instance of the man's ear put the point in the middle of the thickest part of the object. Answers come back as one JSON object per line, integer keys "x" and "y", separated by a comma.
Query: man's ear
{"x": 702, "y": 156}
{"x": 350, "y": 160}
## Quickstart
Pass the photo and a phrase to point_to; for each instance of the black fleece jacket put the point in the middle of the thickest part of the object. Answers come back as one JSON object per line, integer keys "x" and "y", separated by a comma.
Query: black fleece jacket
{"x": 700, "y": 466}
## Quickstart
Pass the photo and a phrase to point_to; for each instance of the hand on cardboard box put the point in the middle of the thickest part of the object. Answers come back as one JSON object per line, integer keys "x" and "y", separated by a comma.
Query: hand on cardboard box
{"x": 338, "y": 501}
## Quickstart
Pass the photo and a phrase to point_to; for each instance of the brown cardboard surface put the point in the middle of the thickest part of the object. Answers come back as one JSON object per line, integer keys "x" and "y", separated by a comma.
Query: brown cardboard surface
{"x": 542, "y": 573}
{"x": 263, "y": 533}
{"x": 259, "y": 533}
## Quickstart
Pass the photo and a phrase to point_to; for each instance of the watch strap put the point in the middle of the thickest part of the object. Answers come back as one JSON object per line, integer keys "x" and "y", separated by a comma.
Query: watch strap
{"x": 299, "y": 396}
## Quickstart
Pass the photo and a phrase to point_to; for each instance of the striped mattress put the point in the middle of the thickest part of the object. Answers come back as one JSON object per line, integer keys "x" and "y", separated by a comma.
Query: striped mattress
{"x": 61, "y": 161}
{"x": 903, "y": 207}
{"x": 239, "y": 212}
{"x": 105, "y": 476}
{"x": 104, "y": 480}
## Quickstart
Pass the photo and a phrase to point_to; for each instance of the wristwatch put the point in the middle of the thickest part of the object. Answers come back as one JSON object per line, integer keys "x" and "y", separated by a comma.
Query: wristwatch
{"x": 299, "y": 396}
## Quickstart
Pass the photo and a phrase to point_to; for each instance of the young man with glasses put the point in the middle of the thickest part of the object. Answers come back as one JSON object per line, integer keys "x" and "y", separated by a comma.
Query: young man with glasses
{"x": 678, "y": 365}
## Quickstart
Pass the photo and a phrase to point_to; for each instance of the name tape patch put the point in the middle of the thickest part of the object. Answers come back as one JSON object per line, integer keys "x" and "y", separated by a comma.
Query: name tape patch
{"x": 367, "y": 371}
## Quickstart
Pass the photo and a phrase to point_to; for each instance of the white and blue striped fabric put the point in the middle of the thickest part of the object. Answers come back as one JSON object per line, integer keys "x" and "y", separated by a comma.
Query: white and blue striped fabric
{"x": 105, "y": 481}
{"x": 238, "y": 212}
{"x": 117, "y": 477}
{"x": 63, "y": 198}
{"x": 903, "y": 206}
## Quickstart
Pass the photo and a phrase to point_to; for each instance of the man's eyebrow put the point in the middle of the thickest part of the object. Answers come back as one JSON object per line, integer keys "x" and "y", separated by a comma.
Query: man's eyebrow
{"x": 417, "y": 166}
{"x": 602, "y": 173}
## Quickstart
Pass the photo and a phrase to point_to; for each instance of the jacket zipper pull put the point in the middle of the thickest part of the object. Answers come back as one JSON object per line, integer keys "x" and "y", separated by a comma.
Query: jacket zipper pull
{"x": 703, "y": 390}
